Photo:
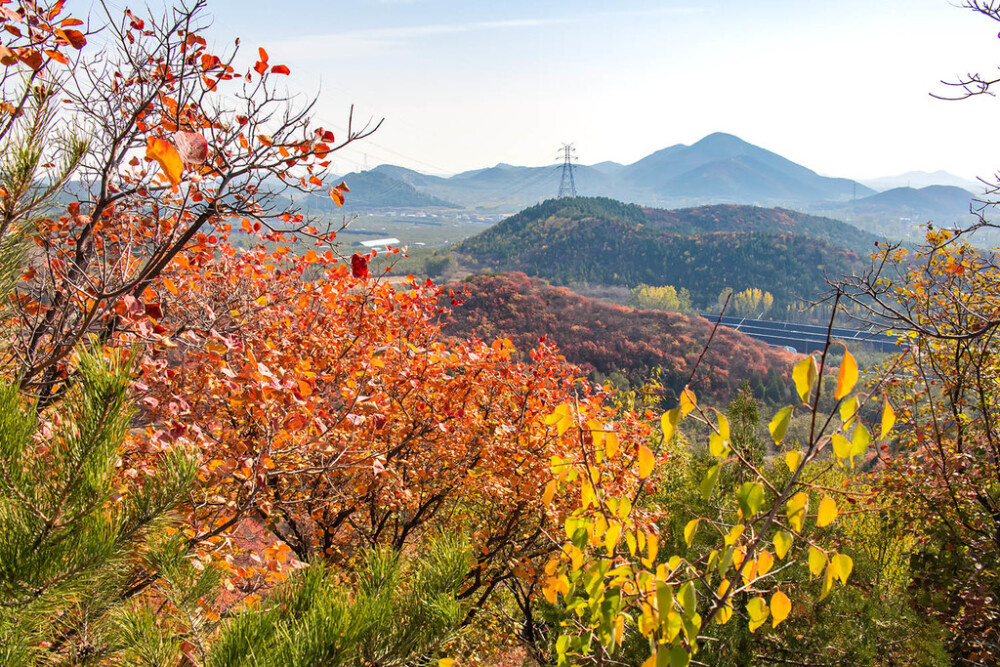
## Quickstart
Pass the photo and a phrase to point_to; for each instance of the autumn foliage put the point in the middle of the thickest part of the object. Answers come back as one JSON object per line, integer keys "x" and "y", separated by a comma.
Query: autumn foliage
{"x": 609, "y": 338}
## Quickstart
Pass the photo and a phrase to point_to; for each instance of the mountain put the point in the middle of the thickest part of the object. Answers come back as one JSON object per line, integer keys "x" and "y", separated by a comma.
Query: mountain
{"x": 901, "y": 212}
{"x": 922, "y": 179}
{"x": 377, "y": 189}
{"x": 705, "y": 250}
{"x": 726, "y": 168}
{"x": 607, "y": 338}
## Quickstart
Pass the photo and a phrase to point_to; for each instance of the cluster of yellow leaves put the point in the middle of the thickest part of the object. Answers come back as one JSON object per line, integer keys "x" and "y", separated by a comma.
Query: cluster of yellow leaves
{"x": 610, "y": 565}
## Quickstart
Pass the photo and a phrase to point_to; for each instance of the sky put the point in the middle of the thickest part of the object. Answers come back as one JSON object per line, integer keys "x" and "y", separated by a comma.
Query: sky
{"x": 841, "y": 87}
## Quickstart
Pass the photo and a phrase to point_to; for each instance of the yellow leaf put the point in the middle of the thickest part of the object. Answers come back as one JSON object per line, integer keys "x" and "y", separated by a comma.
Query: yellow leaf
{"x": 689, "y": 531}
{"x": 827, "y": 581}
{"x": 652, "y": 548}
{"x": 723, "y": 427}
{"x": 888, "y": 420}
{"x": 779, "y": 424}
{"x": 842, "y": 566}
{"x": 758, "y": 612}
{"x": 726, "y": 612}
{"x": 646, "y": 462}
{"x": 792, "y": 459}
{"x": 782, "y": 543}
{"x": 446, "y": 662}
{"x": 610, "y": 443}
{"x": 817, "y": 560}
{"x": 848, "y": 410}
{"x": 597, "y": 433}
{"x": 688, "y": 402}
{"x": 716, "y": 446}
{"x": 841, "y": 446}
{"x": 624, "y": 508}
{"x": 827, "y": 512}
{"x": 795, "y": 509}
{"x": 550, "y": 492}
{"x": 847, "y": 377}
{"x": 668, "y": 422}
{"x": 764, "y": 563}
{"x": 611, "y": 537}
{"x": 557, "y": 415}
{"x": 804, "y": 374}
{"x": 575, "y": 557}
{"x": 167, "y": 156}
{"x": 780, "y": 607}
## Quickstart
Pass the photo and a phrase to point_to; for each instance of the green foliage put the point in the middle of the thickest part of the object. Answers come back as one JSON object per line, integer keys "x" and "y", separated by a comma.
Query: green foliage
{"x": 398, "y": 610}
{"x": 72, "y": 531}
{"x": 438, "y": 265}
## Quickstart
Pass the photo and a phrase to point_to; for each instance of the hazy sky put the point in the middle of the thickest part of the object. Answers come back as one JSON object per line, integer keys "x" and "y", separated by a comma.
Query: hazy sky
{"x": 841, "y": 87}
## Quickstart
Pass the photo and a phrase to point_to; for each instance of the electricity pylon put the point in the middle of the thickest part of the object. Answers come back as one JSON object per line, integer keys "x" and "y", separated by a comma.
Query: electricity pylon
{"x": 567, "y": 187}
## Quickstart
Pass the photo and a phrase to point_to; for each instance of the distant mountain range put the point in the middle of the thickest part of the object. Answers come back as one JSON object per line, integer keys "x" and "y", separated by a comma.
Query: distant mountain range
{"x": 720, "y": 168}
{"x": 922, "y": 179}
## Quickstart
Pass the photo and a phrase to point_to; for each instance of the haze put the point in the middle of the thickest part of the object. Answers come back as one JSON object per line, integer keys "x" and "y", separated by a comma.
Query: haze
{"x": 839, "y": 87}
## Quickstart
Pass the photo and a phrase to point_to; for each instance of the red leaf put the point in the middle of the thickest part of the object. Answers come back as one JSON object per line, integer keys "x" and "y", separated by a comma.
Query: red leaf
{"x": 359, "y": 266}
{"x": 263, "y": 54}
{"x": 280, "y": 69}
{"x": 154, "y": 310}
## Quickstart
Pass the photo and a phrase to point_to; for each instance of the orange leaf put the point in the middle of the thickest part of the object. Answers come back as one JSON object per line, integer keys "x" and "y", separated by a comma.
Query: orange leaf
{"x": 74, "y": 37}
{"x": 337, "y": 196}
{"x": 263, "y": 54}
{"x": 7, "y": 57}
{"x": 56, "y": 9}
{"x": 30, "y": 57}
{"x": 58, "y": 57}
{"x": 167, "y": 156}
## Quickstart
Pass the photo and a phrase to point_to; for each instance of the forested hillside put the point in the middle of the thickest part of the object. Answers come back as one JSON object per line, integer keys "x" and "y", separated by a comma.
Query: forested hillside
{"x": 614, "y": 339}
{"x": 705, "y": 250}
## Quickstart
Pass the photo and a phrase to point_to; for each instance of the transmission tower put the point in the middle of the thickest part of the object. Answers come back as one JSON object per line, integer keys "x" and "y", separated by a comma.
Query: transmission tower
{"x": 567, "y": 187}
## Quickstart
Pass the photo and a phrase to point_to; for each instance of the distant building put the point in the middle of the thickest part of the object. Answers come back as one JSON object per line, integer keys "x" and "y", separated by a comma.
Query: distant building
{"x": 380, "y": 245}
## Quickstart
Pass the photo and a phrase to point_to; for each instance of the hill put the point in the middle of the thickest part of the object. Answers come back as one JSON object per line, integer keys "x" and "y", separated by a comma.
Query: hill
{"x": 607, "y": 338}
{"x": 602, "y": 241}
